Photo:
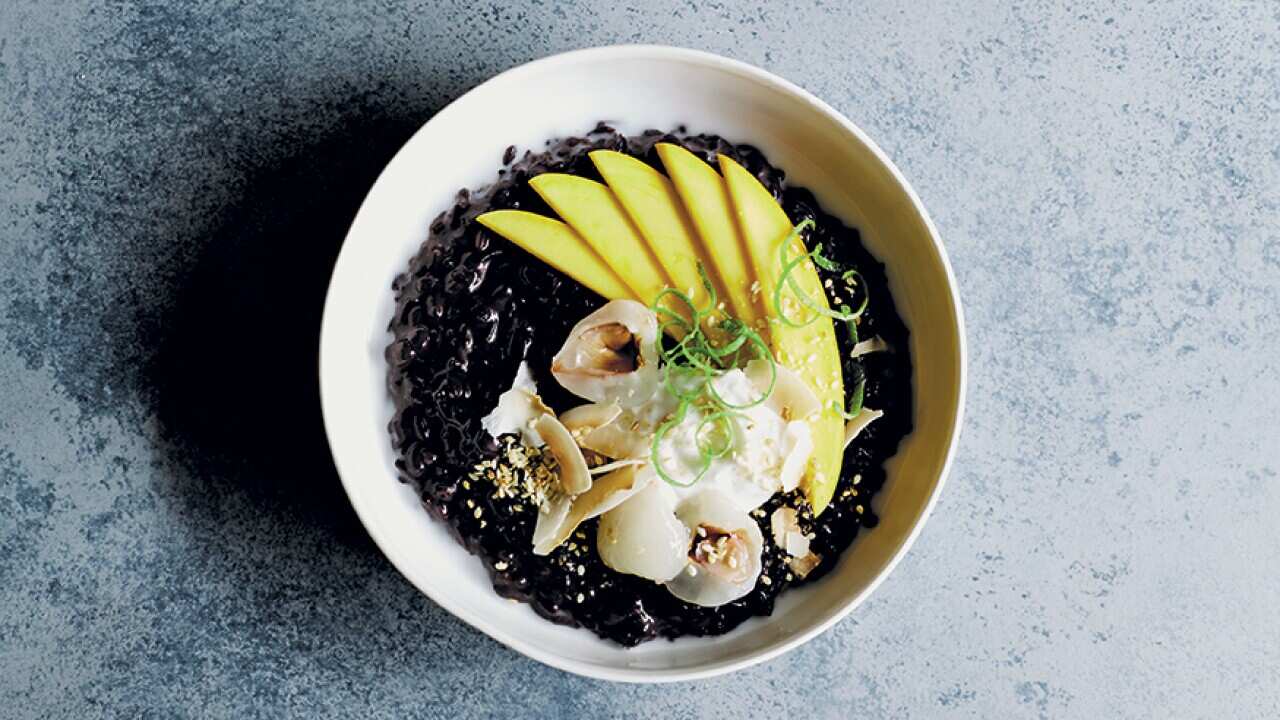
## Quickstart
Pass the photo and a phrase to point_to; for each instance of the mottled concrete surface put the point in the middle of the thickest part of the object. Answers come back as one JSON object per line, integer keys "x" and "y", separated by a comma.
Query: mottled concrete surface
{"x": 175, "y": 179}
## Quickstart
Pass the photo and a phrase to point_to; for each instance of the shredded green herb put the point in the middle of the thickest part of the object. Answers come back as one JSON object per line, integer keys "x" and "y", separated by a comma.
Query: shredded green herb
{"x": 786, "y": 281}
{"x": 853, "y": 282}
{"x": 709, "y": 343}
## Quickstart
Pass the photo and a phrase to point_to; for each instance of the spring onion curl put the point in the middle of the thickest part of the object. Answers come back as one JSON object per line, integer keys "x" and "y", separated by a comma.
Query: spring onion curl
{"x": 851, "y": 279}
{"x": 709, "y": 344}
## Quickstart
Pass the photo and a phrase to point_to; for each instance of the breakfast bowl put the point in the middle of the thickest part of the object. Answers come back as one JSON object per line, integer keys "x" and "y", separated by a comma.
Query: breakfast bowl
{"x": 702, "y": 105}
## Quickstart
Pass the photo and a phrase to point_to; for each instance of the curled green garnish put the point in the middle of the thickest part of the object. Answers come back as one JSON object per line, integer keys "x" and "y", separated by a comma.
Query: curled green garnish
{"x": 709, "y": 343}
{"x": 714, "y": 426}
{"x": 851, "y": 278}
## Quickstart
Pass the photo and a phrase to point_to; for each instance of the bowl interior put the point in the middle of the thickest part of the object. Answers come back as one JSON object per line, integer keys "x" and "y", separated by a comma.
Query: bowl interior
{"x": 635, "y": 88}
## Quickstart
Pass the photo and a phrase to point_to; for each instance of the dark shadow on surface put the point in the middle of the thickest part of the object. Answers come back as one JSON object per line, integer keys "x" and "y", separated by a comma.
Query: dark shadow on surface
{"x": 292, "y": 576}
{"x": 235, "y": 375}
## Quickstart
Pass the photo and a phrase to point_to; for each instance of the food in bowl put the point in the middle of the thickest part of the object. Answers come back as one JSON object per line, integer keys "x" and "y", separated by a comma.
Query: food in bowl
{"x": 647, "y": 382}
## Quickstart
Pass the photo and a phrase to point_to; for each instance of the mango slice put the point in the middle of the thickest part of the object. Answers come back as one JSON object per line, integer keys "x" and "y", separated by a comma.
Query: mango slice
{"x": 703, "y": 193}
{"x": 596, "y": 215}
{"x": 810, "y": 351}
{"x": 653, "y": 205}
{"x": 556, "y": 244}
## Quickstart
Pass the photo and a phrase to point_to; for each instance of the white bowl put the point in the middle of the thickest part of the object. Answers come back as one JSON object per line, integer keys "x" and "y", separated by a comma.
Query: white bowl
{"x": 635, "y": 87}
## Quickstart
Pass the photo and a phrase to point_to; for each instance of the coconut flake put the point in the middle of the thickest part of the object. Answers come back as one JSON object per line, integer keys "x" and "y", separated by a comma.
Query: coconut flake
{"x": 791, "y": 398}
{"x": 616, "y": 465}
{"x": 566, "y": 514}
{"x": 524, "y": 379}
{"x": 575, "y": 478}
{"x": 798, "y": 436}
{"x": 623, "y": 437}
{"x": 551, "y": 517}
{"x": 859, "y": 423}
{"x": 870, "y": 345}
{"x": 787, "y": 534}
{"x": 585, "y": 418}
{"x": 516, "y": 412}
{"x": 804, "y": 565}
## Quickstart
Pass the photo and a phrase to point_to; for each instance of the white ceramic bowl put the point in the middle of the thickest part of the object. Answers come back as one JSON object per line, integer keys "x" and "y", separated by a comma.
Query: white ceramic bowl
{"x": 635, "y": 87}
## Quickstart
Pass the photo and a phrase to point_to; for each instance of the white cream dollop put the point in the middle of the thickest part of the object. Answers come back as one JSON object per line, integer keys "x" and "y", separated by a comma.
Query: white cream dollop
{"x": 768, "y": 452}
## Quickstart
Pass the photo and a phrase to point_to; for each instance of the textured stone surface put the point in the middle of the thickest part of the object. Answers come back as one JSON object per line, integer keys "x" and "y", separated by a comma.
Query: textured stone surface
{"x": 173, "y": 540}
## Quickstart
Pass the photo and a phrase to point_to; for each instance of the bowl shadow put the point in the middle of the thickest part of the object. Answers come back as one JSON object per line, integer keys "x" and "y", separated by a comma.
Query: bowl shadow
{"x": 235, "y": 372}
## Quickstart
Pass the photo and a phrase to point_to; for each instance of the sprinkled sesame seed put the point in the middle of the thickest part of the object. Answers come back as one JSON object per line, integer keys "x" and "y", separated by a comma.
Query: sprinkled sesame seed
{"x": 581, "y": 597}
{"x": 500, "y": 566}
{"x": 766, "y": 579}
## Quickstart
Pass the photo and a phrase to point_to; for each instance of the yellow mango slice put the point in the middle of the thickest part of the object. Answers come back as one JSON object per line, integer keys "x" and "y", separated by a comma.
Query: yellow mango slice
{"x": 596, "y": 215}
{"x": 810, "y": 351}
{"x": 653, "y": 205}
{"x": 556, "y": 244}
{"x": 703, "y": 193}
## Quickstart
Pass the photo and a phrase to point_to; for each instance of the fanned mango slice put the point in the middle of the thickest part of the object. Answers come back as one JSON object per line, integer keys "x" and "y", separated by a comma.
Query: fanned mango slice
{"x": 810, "y": 351}
{"x": 653, "y": 205}
{"x": 556, "y": 244}
{"x": 644, "y": 233}
{"x": 706, "y": 198}
{"x": 596, "y": 215}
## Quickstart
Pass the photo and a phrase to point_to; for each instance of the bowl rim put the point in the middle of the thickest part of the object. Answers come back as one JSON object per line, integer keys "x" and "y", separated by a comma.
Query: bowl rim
{"x": 719, "y": 667}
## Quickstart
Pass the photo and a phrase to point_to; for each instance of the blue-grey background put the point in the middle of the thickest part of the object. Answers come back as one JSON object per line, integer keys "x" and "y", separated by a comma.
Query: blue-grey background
{"x": 175, "y": 180}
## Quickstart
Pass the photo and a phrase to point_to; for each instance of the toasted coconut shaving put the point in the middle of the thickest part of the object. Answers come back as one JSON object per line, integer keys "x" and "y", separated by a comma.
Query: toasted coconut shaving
{"x": 615, "y": 465}
{"x": 575, "y": 477}
{"x": 787, "y": 534}
{"x": 585, "y": 418}
{"x": 860, "y": 423}
{"x": 870, "y": 345}
{"x": 801, "y": 440}
{"x": 566, "y": 514}
{"x": 621, "y": 438}
{"x": 552, "y": 516}
{"x": 517, "y": 410}
{"x": 802, "y": 566}
{"x": 791, "y": 398}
